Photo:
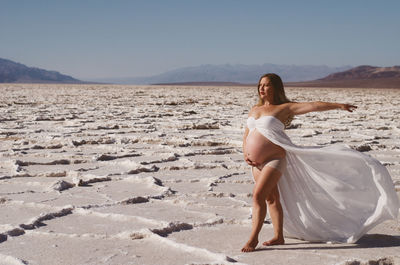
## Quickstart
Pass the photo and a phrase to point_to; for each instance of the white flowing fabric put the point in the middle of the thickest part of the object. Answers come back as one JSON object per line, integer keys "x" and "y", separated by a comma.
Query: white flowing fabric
{"x": 329, "y": 193}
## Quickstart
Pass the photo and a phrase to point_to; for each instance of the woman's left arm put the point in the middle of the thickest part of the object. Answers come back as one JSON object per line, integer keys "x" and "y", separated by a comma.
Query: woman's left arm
{"x": 306, "y": 107}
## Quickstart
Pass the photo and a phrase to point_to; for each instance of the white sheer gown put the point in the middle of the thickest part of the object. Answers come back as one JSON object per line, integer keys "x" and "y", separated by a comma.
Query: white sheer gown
{"x": 329, "y": 193}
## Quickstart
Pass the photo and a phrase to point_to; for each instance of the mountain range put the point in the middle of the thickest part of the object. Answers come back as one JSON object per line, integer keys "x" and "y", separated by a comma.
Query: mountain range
{"x": 365, "y": 76}
{"x": 12, "y": 72}
{"x": 227, "y": 74}
{"x": 238, "y": 73}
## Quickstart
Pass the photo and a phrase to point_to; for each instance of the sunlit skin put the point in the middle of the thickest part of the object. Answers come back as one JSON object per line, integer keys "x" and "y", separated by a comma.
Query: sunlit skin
{"x": 257, "y": 150}
{"x": 256, "y": 143}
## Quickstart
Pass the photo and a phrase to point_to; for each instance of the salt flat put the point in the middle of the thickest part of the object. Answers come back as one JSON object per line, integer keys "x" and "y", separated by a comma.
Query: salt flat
{"x": 107, "y": 174}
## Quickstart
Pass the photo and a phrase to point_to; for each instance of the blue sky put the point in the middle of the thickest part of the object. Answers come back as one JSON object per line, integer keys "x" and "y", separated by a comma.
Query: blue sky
{"x": 91, "y": 39}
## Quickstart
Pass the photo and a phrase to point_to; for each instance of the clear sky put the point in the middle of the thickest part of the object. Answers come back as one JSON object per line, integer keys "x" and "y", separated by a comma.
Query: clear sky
{"x": 102, "y": 39}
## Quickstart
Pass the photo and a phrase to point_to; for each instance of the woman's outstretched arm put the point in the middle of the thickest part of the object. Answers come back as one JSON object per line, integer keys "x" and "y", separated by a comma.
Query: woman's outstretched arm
{"x": 306, "y": 107}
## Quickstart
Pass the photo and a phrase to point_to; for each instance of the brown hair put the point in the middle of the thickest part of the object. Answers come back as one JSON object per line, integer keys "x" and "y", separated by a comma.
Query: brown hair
{"x": 279, "y": 93}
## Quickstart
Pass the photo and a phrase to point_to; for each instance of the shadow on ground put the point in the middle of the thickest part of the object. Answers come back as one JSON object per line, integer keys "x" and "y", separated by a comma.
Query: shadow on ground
{"x": 367, "y": 241}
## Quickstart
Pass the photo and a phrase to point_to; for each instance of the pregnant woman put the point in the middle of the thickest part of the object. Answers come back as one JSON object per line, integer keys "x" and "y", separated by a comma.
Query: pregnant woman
{"x": 325, "y": 193}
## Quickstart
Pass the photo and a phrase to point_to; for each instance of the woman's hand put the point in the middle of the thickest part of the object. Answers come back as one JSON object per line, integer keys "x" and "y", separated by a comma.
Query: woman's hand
{"x": 348, "y": 107}
{"x": 249, "y": 162}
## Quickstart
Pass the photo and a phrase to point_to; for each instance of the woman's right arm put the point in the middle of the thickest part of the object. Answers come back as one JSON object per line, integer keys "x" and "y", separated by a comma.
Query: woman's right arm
{"x": 246, "y": 132}
{"x": 248, "y": 161}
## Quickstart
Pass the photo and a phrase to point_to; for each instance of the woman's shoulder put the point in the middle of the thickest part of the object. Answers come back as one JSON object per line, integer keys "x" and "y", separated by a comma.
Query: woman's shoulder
{"x": 287, "y": 106}
{"x": 253, "y": 109}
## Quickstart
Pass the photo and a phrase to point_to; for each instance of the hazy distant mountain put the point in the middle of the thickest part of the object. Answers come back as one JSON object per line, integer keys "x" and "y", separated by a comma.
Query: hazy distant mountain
{"x": 361, "y": 76}
{"x": 12, "y": 72}
{"x": 365, "y": 72}
{"x": 239, "y": 73}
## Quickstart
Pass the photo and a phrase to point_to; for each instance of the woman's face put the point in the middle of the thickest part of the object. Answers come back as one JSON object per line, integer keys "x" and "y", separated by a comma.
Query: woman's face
{"x": 265, "y": 89}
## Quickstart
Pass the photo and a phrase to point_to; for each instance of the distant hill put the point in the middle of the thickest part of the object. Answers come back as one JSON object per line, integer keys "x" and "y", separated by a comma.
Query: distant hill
{"x": 202, "y": 84}
{"x": 12, "y": 72}
{"x": 360, "y": 76}
{"x": 238, "y": 73}
{"x": 365, "y": 72}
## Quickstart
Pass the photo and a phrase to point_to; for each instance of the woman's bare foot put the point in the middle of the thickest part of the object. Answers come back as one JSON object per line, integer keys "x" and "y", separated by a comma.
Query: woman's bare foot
{"x": 250, "y": 246}
{"x": 274, "y": 241}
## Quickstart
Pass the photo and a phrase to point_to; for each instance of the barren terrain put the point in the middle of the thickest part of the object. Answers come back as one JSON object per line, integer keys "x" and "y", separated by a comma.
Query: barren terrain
{"x": 107, "y": 174}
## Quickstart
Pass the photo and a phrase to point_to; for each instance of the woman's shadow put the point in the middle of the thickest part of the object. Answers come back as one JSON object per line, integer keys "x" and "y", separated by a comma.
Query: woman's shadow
{"x": 367, "y": 241}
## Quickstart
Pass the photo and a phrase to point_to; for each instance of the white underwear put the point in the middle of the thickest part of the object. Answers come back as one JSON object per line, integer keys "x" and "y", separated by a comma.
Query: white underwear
{"x": 279, "y": 164}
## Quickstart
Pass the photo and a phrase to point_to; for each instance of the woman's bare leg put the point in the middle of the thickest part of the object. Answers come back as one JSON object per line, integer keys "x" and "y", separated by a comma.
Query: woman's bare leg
{"x": 266, "y": 180}
{"x": 276, "y": 213}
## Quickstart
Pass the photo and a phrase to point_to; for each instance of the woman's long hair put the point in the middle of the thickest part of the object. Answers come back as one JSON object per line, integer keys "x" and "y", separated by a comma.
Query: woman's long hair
{"x": 279, "y": 93}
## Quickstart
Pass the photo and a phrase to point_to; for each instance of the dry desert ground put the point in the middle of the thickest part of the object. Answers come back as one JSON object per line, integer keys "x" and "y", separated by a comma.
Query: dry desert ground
{"x": 108, "y": 174}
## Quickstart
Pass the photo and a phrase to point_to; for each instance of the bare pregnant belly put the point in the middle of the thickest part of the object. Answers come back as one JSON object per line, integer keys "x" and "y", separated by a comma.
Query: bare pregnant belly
{"x": 260, "y": 150}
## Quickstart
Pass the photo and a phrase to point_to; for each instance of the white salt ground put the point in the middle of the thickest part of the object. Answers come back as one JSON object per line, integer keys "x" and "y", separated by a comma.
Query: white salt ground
{"x": 107, "y": 174}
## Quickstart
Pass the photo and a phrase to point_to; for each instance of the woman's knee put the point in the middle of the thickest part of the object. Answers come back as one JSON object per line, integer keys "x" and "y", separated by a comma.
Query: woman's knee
{"x": 273, "y": 198}
{"x": 259, "y": 198}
